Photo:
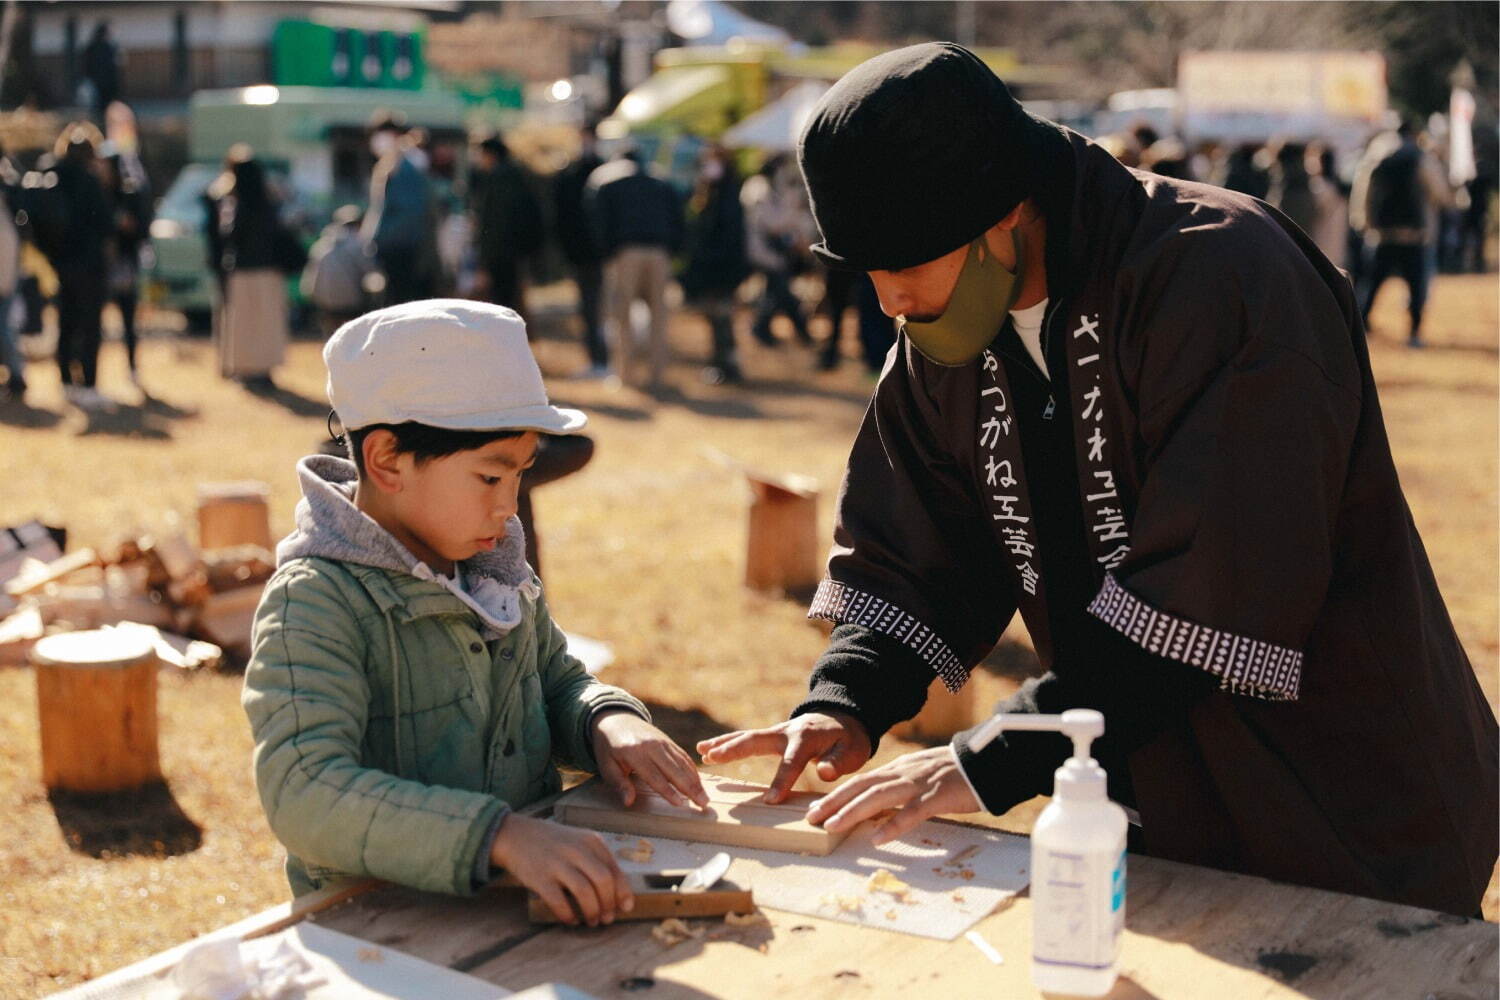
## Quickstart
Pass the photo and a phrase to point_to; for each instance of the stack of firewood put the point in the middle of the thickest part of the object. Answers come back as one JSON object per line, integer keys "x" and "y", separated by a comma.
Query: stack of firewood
{"x": 163, "y": 583}
{"x": 200, "y": 602}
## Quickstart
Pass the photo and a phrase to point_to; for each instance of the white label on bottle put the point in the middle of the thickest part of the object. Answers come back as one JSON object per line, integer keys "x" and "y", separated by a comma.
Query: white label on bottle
{"x": 1079, "y": 901}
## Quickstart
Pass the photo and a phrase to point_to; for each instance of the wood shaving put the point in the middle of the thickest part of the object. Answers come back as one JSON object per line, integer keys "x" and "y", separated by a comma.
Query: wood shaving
{"x": 884, "y": 881}
{"x": 370, "y": 955}
{"x": 962, "y": 856}
{"x": 672, "y": 931}
{"x": 890, "y": 914}
{"x": 745, "y": 919}
{"x": 846, "y": 904}
{"x": 930, "y": 842}
{"x": 958, "y": 897}
{"x": 640, "y": 853}
{"x": 966, "y": 874}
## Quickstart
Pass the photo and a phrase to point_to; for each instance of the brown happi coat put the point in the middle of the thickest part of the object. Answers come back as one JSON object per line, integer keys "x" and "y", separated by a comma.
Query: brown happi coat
{"x": 1215, "y": 491}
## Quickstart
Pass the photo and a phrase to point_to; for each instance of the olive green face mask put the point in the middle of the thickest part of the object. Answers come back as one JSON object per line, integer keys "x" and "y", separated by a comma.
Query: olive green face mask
{"x": 983, "y": 295}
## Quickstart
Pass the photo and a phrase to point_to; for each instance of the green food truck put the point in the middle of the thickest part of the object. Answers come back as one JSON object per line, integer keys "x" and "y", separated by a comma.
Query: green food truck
{"x": 313, "y": 143}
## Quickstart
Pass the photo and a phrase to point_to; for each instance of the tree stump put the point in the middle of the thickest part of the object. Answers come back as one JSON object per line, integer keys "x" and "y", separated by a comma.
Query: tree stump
{"x": 96, "y": 701}
{"x": 783, "y": 545}
{"x": 232, "y": 514}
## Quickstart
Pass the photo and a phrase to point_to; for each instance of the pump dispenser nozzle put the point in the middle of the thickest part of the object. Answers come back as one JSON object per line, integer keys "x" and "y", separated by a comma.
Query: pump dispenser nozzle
{"x": 1082, "y": 725}
{"x": 1080, "y": 777}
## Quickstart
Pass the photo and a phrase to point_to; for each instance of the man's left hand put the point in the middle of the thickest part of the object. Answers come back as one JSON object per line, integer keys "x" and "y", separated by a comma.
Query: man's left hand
{"x": 917, "y": 786}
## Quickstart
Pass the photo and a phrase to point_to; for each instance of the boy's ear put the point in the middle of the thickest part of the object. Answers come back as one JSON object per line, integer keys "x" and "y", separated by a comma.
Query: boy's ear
{"x": 381, "y": 459}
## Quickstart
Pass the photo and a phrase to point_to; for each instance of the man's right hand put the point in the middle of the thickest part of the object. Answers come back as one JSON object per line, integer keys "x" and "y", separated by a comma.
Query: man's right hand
{"x": 558, "y": 863}
{"x": 838, "y": 741}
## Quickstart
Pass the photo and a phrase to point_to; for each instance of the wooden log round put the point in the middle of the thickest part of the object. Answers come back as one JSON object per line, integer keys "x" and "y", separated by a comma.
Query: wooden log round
{"x": 782, "y": 551}
{"x": 231, "y": 514}
{"x": 96, "y": 703}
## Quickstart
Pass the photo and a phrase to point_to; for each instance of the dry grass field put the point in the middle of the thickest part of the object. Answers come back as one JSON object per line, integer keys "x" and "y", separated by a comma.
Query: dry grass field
{"x": 644, "y": 549}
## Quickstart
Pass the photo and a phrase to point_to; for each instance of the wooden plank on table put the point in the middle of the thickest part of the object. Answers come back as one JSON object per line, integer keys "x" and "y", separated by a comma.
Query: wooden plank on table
{"x": 736, "y": 817}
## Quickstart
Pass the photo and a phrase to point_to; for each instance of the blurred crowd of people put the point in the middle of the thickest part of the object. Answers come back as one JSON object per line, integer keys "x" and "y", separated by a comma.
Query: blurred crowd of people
{"x": 1395, "y": 210}
{"x": 625, "y": 232}
{"x": 85, "y": 210}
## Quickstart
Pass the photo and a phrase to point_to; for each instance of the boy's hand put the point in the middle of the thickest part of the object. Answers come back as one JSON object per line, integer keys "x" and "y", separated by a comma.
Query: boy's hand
{"x": 558, "y": 863}
{"x": 626, "y": 744}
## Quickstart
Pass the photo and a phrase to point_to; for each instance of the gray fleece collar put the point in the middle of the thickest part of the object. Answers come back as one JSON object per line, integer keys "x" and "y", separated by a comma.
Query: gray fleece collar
{"x": 329, "y": 526}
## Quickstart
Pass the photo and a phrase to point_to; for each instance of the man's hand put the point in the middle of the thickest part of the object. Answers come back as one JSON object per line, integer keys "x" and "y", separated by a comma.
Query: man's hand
{"x": 918, "y": 786}
{"x": 559, "y": 863}
{"x": 626, "y": 744}
{"x": 838, "y": 741}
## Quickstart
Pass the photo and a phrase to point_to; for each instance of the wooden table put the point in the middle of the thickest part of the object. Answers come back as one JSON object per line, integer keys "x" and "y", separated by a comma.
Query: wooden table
{"x": 1190, "y": 933}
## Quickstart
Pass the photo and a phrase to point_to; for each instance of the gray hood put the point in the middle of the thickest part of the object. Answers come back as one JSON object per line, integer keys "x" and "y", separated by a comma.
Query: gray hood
{"x": 329, "y": 526}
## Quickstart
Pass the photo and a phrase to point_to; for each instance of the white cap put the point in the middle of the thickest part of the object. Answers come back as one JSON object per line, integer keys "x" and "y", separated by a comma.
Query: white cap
{"x": 449, "y": 363}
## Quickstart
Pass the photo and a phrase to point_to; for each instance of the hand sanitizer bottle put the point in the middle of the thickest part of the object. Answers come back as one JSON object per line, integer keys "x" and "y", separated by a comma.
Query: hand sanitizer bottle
{"x": 1077, "y": 863}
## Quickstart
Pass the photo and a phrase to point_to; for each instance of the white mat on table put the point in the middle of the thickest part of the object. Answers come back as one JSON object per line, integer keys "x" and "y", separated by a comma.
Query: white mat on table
{"x": 342, "y": 968}
{"x": 943, "y": 900}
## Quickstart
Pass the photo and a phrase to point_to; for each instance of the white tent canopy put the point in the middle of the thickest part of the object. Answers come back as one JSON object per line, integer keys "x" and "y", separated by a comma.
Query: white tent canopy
{"x": 710, "y": 22}
{"x": 776, "y": 126}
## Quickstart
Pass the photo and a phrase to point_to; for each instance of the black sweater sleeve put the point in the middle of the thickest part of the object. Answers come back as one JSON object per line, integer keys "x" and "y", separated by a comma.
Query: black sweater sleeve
{"x": 1139, "y": 693}
{"x": 869, "y": 675}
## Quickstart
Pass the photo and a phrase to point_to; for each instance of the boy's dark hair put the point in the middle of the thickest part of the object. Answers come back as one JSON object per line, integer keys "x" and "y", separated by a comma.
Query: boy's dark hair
{"x": 424, "y": 441}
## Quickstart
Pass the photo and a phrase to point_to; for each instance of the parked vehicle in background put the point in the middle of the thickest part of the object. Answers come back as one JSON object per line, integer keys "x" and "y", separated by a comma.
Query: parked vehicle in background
{"x": 312, "y": 142}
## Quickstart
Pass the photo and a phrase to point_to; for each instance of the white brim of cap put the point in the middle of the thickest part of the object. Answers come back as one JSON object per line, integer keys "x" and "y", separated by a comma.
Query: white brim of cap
{"x": 544, "y": 418}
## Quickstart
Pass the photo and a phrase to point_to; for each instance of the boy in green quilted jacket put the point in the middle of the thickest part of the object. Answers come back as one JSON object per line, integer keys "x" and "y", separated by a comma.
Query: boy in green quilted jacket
{"x": 407, "y": 687}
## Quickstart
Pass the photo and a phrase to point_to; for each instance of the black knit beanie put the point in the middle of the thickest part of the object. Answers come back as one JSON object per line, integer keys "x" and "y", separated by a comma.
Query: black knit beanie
{"x": 913, "y": 154}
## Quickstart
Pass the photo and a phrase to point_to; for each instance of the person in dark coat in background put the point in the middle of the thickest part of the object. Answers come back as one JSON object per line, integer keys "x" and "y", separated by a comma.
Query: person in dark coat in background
{"x": 508, "y": 225}
{"x": 1291, "y": 187}
{"x": 1399, "y": 191}
{"x": 877, "y": 331}
{"x": 580, "y": 244}
{"x": 245, "y": 241}
{"x": 129, "y": 194}
{"x": 11, "y": 358}
{"x": 778, "y": 229}
{"x": 79, "y": 261}
{"x": 400, "y": 224}
{"x": 101, "y": 68}
{"x": 838, "y": 293}
{"x": 1243, "y": 172}
{"x": 1140, "y": 413}
{"x": 637, "y": 220}
{"x": 1332, "y": 227}
{"x": 716, "y": 261}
